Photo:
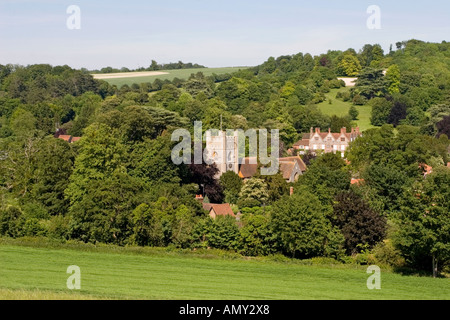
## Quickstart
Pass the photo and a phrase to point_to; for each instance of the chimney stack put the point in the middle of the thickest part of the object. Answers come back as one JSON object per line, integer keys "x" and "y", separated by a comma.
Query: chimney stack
{"x": 199, "y": 197}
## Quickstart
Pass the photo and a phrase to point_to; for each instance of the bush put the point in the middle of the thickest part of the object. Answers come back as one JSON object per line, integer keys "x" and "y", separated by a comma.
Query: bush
{"x": 219, "y": 233}
{"x": 58, "y": 228}
{"x": 336, "y": 84}
{"x": 359, "y": 100}
{"x": 224, "y": 233}
{"x": 248, "y": 203}
{"x": 324, "y": 261}
{"x": 254, "y": 235}
{"x": 344, "y": 96}
{"x": 35, "y": 210}
{"x": 11, "y": 221}
{"x": 385, "y": 253}
{"x": 318, "y": 98}
{"x": 33, "y": 227}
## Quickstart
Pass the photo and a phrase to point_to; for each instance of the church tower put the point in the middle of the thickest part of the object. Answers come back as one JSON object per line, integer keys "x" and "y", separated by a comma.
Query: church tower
{"x": 222, "y": 149}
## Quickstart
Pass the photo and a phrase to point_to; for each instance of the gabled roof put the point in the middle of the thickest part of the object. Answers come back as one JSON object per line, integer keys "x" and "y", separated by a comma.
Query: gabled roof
{"x": 219, "y": 209}
{"x": 248, "y": 169}
{"x": 297, "y": 159}
{"x": 306, "y": 137}
{"x": 286, "y": 168}
{"x": 303, "y": 142}
{"x": 65, "y": 137}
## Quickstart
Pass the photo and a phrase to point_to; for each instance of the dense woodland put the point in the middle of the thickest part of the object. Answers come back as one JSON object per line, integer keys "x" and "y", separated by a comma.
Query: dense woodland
{"x": 118, "y": 184}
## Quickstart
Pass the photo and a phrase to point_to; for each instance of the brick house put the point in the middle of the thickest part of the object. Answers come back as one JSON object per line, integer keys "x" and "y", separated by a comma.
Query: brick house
{"x": 326, "y": 141}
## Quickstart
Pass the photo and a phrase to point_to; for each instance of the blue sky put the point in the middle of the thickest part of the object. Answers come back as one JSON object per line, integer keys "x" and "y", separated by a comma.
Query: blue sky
{"x": 209, "y": 32}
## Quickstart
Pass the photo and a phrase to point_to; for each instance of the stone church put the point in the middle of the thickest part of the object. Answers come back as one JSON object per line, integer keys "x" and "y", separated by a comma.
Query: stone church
{"x": 223, "y": 150}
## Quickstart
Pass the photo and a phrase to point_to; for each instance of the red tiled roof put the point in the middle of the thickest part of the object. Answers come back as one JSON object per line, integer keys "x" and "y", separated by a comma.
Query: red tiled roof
{"x": 219, "y": 209}
{"x": 426, "y": 168}
{"x": 65, "y": 137}
{"x": 68, "y": 138}
{"x": 357, "y": 181}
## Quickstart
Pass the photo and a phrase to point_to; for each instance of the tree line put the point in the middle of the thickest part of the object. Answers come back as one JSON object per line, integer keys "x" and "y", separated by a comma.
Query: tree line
{"x": 154, "y": 66}
{"x": 118, "y": 183}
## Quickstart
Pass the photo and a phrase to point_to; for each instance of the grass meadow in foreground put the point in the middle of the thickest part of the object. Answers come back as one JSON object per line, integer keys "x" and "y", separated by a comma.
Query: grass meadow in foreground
{"x": 33, "y": 272}
{"x": 171, "y": 74}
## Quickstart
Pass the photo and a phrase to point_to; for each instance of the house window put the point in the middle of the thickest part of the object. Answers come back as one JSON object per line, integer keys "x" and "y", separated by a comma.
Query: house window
{"x": 342, "y": 139}
{"x": 315, "y": 147}
{"x": 335, "y": 147}
{"x": 323, "y": 146}
{"x": 343, "y": 148}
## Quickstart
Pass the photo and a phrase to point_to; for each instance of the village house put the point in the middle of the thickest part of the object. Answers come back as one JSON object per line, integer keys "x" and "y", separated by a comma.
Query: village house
{"x": 357, "y": 182}
{"x": 326, "y": 141}
{"x": 215, "y": 209}
{"x": 290, "y": 167}
{"x": 61, "y": 134}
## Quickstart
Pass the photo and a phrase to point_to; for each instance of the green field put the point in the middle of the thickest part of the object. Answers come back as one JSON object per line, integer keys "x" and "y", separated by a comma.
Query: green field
{"x": 33, "y": 272}
{"x": 180, "y": 73}
{"x": 340, "y": 108}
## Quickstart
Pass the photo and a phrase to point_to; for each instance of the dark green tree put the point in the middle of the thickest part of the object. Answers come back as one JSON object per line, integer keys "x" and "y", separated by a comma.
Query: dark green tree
{"x": 370, "y": 84}
{"x": 353, "y": 113}
{"x": 358, "y": 222}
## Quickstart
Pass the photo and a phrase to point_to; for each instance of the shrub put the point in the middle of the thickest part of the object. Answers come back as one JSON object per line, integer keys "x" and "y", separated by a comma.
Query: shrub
{"x": 58, "y": 227}
{"x": 359, "y": 100}
{"x": 33, "y": 227}
{"x": 385, "y": 253}
{"x": 11, "y": 221}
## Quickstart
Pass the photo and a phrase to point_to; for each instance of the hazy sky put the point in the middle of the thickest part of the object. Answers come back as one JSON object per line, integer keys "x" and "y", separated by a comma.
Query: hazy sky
{"x": 209, "y": 32}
